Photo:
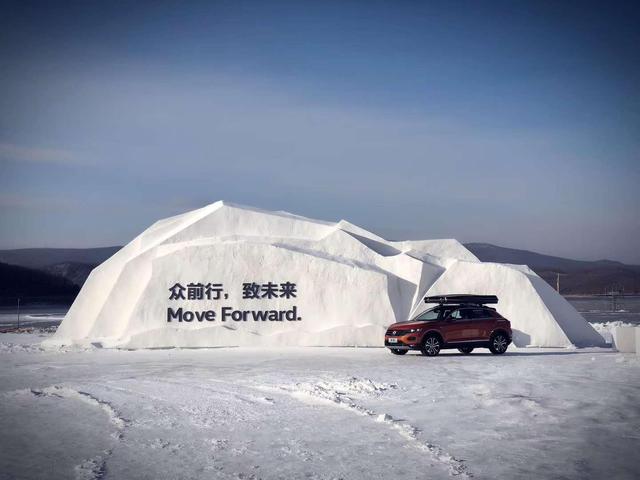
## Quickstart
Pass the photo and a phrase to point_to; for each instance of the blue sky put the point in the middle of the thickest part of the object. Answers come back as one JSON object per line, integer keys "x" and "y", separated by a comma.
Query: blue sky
{"x": 513, "y": 123}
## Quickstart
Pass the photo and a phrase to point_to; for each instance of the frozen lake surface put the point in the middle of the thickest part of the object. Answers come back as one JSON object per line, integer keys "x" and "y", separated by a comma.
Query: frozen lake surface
{"x": 39, "y": 315}
{"x": 601, "y": 309}
{"x": 316, "y": 413}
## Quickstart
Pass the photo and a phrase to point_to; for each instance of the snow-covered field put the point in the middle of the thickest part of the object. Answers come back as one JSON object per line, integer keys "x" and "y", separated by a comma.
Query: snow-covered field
{"x": 316, "y": 413}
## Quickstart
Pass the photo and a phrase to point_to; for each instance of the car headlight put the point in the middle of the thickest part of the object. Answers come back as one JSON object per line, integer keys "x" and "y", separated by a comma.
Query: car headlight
{"x": 415, "y": 330}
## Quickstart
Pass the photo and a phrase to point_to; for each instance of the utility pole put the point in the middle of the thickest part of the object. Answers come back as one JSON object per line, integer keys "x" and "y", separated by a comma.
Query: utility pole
{"x": 558, "y": 280}
{"x": 614, "y": 306}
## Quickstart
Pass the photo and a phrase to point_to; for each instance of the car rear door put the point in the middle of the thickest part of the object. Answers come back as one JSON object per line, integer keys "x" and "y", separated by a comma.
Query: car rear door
{"x": 472, "y": 324}
{"x": 482, "y": 322}
{"x": 457, "y": 327}
{"x": 486, "y": 321}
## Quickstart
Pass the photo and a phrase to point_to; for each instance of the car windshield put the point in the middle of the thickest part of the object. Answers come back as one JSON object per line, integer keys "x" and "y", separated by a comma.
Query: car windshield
{"x": 430, "y": 315}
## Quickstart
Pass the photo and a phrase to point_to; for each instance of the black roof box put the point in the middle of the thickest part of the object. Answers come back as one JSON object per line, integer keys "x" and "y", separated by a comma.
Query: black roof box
{"x": 462, "y": 299}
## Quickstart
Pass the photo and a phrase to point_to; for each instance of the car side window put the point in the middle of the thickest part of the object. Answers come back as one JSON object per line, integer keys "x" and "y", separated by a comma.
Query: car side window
{"x": 429, "y": 315}
{"x": 462, "y": 314}
{"x": 479, "y": 314}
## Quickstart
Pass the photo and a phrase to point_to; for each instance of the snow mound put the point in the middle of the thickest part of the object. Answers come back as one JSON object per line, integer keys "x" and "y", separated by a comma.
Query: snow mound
{"x": 8, "y": 347}
{"x": 228, "y": 275}
{"x": 605, "y": 329}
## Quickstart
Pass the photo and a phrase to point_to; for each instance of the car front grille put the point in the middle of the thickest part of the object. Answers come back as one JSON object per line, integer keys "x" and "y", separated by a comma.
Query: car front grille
{"x": 396, "y": 333}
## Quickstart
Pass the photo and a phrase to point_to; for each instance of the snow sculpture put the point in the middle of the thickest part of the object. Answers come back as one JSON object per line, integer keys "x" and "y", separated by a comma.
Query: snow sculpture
{"x": 227, "y": 275}
{"x": 624, "y": 338}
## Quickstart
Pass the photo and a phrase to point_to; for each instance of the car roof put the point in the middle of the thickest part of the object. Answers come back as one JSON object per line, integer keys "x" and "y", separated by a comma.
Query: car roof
{"x": 462, "y": 299}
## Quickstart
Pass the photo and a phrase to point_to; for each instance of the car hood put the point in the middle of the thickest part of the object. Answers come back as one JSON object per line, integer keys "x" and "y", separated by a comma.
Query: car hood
{"x": 407, "y": 325}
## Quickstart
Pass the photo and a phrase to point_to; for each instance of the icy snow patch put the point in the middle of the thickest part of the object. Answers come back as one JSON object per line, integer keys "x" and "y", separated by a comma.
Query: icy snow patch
{"x": 340, "y": 393}
{"x": 93, "y": 468}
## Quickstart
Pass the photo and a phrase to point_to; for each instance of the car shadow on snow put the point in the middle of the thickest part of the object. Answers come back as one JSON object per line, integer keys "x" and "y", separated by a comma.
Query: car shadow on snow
{"x": 444, "y": 354}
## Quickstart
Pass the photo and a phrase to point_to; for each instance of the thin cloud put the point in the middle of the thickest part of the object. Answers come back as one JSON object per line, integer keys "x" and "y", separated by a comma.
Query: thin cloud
{"x": 11, "y": 201}
{"x": 18, "y": 153}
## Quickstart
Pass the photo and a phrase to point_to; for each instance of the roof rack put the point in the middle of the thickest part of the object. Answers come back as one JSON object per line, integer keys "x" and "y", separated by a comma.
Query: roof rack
{"x": 462, "y": 299}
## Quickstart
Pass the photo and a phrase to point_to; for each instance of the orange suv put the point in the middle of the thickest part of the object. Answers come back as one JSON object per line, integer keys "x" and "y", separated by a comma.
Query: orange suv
{"x": 458, "y": 321}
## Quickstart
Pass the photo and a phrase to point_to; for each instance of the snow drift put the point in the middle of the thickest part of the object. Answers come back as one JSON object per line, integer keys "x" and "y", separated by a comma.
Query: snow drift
{"x": 227, "y": 275}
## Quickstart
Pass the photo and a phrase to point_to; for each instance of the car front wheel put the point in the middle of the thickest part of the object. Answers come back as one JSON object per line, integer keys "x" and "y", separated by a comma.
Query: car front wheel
{"x": 431, "y": 346}
{"x": 398, "y": 351}
{"x": 498, "y": 343}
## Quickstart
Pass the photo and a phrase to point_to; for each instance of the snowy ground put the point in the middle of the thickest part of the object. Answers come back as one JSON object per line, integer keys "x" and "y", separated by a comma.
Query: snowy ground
{"x": 316, "y": 413}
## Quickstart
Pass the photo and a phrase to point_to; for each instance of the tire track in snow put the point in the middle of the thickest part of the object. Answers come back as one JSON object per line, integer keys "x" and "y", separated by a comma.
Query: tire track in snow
{"x": 94, "y": 468}
{"x": 64, "y": 392}
{"x": 338, "y": 394}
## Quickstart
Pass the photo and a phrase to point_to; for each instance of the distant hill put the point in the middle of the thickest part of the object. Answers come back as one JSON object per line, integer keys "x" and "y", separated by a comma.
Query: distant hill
{"x": 26, "y": 283}
{"x": 73, "y": 264}
{"x": 44, "y": 257}
{"x": 579, "y": 277}
{"x": 75, "y": 272}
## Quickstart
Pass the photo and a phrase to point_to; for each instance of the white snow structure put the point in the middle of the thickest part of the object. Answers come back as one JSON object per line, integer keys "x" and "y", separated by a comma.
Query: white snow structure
{"x": 317, "y": 284}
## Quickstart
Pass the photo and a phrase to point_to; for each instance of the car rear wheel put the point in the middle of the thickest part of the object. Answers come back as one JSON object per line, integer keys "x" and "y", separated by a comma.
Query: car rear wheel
{"x": 466, "y": 350}
{"x": 398, "y": 351}
{"x": 431, "y": 346}
{"x": 498, "y": 343}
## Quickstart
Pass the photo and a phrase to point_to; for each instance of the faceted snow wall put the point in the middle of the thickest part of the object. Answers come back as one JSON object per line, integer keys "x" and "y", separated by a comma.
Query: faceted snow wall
{"x": 538, "y": 315}
{"x": 226, "y": 275}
